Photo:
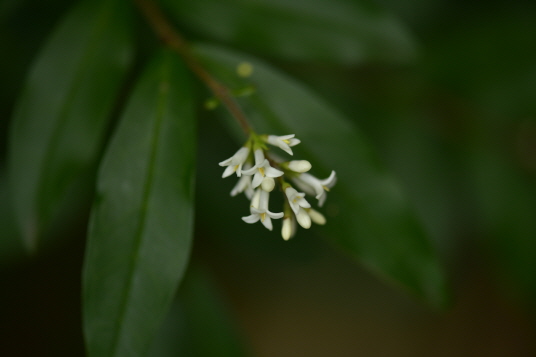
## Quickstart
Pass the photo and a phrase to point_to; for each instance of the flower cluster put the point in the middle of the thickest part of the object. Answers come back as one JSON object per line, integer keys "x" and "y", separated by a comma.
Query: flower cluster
{"x": 259, "y": 173}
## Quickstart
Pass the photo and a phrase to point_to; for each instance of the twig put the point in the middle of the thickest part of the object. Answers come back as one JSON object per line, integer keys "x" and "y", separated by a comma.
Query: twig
{"x": 172, "y": 39}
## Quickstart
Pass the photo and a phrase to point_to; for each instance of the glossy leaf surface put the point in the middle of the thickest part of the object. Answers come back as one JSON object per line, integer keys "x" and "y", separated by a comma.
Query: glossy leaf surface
{"x": 141, "y": 225}
{"x": 335, "y": 31}
{"x": 62, "y": 114}
{"x": 368, "y": 214}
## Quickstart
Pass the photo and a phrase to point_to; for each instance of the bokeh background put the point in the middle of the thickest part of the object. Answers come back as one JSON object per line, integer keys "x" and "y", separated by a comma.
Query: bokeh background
{"x": 456, "y": 125}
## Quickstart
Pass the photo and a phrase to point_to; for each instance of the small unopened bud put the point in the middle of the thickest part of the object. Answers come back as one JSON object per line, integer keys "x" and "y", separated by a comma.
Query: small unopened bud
{"x": 299, "y": 165}
{"x": 244, "y": 69}
{"x": 268, "y": 184}
{"x": 211, "y": 103}
{"x": 289, "y": 228}
{"x": 303, "y": 218}
{"x": 316, "y": 216}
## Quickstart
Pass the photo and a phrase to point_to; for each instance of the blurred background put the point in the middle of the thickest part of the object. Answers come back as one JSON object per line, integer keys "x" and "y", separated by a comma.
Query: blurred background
{"x": 455, "y": 123}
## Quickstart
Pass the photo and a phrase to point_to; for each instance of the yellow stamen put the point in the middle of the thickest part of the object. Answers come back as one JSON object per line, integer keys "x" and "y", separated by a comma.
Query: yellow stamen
{"x": 261, "y": 170}
{"x": 325, "y": 188}
{"x": 263, "y": 216}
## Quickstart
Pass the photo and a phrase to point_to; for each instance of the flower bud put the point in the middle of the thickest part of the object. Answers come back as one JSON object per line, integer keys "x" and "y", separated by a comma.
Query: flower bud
{"x": 289, "y": 228}
{"x": 316, "y": 217}
{"x": 303, "y": 218}
{"x": 268, "y": 184}
{"x": 299, "y": 165}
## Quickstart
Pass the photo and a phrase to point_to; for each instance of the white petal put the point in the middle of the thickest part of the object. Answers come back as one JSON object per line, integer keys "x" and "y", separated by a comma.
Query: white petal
{"x": 255, "y": 200}
{"x": 250, "y": 171}
{"x": 229, "y": 170}
{"x": 290, "y": 191}
{"x": 283, "y": 146}
{"x": 278, "y": 141}
{"x": 314, "y": 183}
{"x": 255, "y": 210}
{"x": 303, "y": 203}
{"x": 286, "y": 137}
{"x": 264, "y": 199}
{"x": 322, "y": 199}
{"x": 330, "y": 181}
{"x": 259, "y": 157}
{"x": 239, "y": 187}
{"x": 239, "y": 170}
{"x": 226, "y": 162}
{"x": 257, "y": 179}
{"x": 294, "y": 142}
{"x": 241, "y": 156}
{"x": 249, "y": 192}
{"x": 295, "y": 207}
{"x": 304, "y": 186}
{"x": 272, "y": 172}
{"x": 275, "y": 215}
{"x": 251, "y": 219}
{"x": 267, "y": 223}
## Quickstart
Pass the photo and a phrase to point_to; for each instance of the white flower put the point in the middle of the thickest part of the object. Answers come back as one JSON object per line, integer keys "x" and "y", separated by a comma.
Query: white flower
{"x": 303, "y": 218}
{"x": 299, "y": 165}
{"x": 288, "y": 229}
{"x": 235, "y": 162}
{"x": 261, "y": 169}
{"x": 296, "y": 199}
{"x": 243, "y": 185}
{"x": 315, "y": 186}
{"x": 259, "y": 210}
{"x": 284, "y": 142}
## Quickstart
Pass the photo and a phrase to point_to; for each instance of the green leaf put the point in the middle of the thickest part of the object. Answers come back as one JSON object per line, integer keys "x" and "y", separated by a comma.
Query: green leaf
{"x": 141, "y": 223}
{"x": 335, "y": 31}
{"x": 61, "y": 117}
{"x": 506, "y": 198}
{"x": 368, "y": 214}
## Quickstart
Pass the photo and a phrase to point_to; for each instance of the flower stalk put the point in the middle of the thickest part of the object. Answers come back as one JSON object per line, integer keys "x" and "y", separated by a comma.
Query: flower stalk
{"x": 173, "y": 40}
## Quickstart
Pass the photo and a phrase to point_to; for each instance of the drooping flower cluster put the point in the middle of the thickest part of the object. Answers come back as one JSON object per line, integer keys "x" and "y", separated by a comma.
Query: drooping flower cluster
{"x": 258, "y": 174}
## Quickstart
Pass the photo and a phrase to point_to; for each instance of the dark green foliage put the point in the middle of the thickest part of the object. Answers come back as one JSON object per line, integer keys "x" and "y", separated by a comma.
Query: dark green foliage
{"x": 62, "y": 115}
{"x": 433, "y": 141}
{"x": 141, "y": 225}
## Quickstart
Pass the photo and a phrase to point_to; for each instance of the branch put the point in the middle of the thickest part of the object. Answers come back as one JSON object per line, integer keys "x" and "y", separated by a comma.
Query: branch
{"x": 172, "y": 39}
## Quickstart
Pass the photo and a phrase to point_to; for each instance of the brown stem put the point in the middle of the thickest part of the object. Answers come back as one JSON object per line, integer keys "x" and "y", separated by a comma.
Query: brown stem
{"x": 171, "y": 38}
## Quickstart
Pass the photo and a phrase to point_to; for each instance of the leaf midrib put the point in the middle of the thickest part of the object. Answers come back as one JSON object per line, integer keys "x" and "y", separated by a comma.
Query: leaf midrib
{"x": 147, "y": 188}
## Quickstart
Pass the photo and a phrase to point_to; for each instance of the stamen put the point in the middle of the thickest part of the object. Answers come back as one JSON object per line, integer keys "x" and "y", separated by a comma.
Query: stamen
{"x": 261, "y": 170}
{"x": 263, "y": 216}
